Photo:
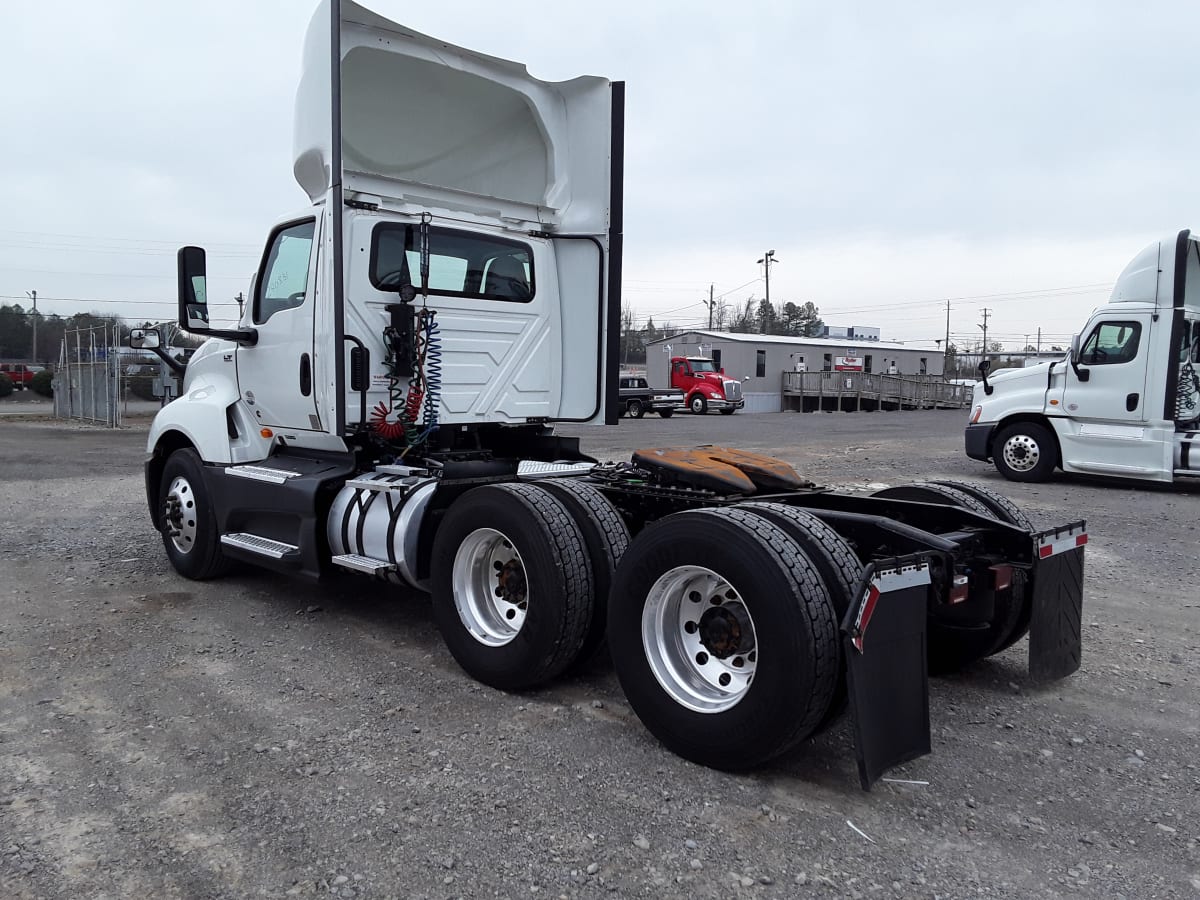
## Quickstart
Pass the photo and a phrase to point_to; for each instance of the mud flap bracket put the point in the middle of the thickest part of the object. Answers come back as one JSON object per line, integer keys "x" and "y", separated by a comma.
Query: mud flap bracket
{"x": 884, "y": 640}
{"x": 1055, "y": 625}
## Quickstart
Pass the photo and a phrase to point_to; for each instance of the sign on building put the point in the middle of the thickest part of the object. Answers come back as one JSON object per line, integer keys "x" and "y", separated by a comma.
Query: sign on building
{"x": 848, "y": 364}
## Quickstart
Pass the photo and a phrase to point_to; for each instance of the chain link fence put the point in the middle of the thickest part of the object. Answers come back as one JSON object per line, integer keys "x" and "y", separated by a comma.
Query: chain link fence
{"x": 88, "y": 382}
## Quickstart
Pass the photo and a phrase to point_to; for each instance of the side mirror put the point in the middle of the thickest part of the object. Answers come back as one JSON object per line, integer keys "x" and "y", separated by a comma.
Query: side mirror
{"x": 721, "y": 371}
{"x": 144, "y": 339}
{"x": 193, "y": 293}
{"x": 985, "y": 366}
{"x": 1081, "y": 374}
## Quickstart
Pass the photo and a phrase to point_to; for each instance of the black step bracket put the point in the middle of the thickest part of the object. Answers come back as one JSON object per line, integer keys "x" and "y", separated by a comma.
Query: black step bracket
{"x": 884, "y": 641}
{"x": 1056, "y": 622}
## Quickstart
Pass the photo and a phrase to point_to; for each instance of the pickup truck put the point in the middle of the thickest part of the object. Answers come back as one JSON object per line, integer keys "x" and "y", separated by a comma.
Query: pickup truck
{"x": 20, "y": 374}
{"x": 637, "y": 397}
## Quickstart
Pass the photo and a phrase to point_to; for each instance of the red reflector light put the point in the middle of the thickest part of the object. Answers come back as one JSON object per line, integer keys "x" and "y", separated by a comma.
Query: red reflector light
{"x": 1080, "y": 540}
{"x": 1045, "y": 550}
{"x": 958, "y": 593}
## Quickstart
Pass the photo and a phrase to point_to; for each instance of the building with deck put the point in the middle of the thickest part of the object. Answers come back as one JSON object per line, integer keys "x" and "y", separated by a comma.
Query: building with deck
{"x": 762, "y": 362}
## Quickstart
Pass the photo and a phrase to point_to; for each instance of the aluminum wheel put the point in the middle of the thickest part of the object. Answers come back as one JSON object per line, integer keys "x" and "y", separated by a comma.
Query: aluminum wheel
{"x": 699, "y": 639}
{"x": 491, "y": 591}
{"x": 179, "y": 514}
{"x": 1021, "y": 453}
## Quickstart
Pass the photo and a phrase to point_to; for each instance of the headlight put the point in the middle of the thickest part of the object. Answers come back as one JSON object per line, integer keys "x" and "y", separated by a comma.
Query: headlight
{"x": 975, "y": 414}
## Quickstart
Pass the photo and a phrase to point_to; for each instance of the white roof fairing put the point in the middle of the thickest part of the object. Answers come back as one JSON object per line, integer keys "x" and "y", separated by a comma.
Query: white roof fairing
{"x": 433, "y": 123}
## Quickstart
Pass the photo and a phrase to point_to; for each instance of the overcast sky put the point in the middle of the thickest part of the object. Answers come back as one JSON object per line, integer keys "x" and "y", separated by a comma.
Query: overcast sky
{"x": 1013, "y": 156}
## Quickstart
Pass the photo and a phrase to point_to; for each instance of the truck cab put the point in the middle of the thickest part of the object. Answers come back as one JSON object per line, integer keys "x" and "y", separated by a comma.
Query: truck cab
{"x": 1124, "y": 400}
{"x": 705, "y": 386}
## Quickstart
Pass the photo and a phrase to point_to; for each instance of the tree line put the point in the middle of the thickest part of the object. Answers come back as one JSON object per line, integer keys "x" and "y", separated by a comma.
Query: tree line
{"x": 16, "y": 333}
{"x": 755, "y": 317}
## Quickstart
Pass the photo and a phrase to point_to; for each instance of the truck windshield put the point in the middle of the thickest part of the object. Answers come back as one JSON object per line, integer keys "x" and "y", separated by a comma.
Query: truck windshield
{"x": 702, "y": 365}
{"x": 461, "y": 264}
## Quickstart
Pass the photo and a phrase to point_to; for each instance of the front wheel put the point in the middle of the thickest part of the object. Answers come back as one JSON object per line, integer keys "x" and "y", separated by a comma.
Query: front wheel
{"x": 698, "y": 404}
{"x": 1025, "y": 451}
{"x": 723, "y": 637}
{"x": 189, "y": 522}
{"x": 635, "y": 408}
{"x": 512, "y": 585}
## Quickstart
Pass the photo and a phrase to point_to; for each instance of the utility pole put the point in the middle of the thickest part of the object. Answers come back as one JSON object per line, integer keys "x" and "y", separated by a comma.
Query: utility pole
{"x": 946, "y": 346}
{"x": 240, "y": 301}
{"x": 765, "y": 262}
{"x": 33, "y": 356}
{"x": 1039, "y": 343}
{"x": 986, "y": 312}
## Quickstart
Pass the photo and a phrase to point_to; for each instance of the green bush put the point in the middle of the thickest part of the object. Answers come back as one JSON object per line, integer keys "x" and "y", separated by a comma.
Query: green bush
{"x": 43, "y": 383}
{"x": 141, "y": 386}
{"x": 6, "y": 385}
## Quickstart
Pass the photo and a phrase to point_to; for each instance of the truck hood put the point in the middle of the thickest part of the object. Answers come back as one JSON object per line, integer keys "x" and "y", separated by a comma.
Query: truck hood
{"x": 481, "y": 135}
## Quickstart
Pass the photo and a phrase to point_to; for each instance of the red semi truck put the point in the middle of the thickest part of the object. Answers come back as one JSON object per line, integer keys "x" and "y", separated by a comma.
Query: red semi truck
{"x": 705, "y": 386}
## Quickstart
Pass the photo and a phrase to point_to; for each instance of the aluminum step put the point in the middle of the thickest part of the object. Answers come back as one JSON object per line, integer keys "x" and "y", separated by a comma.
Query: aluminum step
{"x": 532, "y": 469}
{"x": 252, "y": 543}
{"x": 261, "y": 473}
{"x": 367, "y": 564}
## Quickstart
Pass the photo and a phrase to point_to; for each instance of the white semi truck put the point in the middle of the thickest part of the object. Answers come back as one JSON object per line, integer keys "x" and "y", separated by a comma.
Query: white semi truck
{"x": 387, "y": 403}
{"x": 1124, "y": 401}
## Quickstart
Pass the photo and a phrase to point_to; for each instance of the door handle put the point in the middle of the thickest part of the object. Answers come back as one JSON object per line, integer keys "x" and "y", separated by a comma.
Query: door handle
{"x": 1131, "y": 402}
{"x": 305, "y": 375}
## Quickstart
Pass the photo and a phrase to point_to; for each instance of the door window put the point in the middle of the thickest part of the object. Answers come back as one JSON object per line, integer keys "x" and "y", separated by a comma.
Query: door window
{"x": 461, "y": 264}
{"x": 1111, "y": 343}
{"x": 284, "y": 282}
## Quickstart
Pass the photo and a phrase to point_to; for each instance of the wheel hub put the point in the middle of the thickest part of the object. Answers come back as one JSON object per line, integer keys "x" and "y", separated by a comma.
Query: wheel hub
{"x": 179, "y": 515}
{"x": 726, "y": 630}
{"x": 1021, "y": 452}
{"x": 699, "y": 639}
{"x": 490, "y": 586}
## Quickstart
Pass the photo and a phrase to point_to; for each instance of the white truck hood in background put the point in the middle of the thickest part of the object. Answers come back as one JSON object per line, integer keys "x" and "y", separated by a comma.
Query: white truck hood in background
{"x": 480, "y": 135}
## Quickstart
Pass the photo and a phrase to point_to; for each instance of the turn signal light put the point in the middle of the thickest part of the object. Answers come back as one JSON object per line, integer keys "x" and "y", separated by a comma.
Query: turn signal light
{"x": 267, "y": 433}
{"x": 975, "y": 414}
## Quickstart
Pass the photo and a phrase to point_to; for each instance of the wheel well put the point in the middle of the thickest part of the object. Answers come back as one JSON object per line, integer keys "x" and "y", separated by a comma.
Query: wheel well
{"x": 167, "y": 444}
{"x": 1025, "y": 417}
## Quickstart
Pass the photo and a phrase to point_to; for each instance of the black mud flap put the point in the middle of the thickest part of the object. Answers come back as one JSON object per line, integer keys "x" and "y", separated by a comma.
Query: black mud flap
{"x": 887, "y": 671}
{"x": 1055, "y": 625}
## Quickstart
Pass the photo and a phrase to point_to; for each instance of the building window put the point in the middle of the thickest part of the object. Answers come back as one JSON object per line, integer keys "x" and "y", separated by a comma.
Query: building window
{"x": 717, "y": 359}
{"x": 827, "y": 363}
{"x": 760, "y": 364}
{"x": 867, "y": 363}
{"x": 924, "y": 366}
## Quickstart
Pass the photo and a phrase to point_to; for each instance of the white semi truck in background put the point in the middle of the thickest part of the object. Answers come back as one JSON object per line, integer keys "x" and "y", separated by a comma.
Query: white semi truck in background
{"x": 1124, "y": 401}
{"x": 386, "y": 406}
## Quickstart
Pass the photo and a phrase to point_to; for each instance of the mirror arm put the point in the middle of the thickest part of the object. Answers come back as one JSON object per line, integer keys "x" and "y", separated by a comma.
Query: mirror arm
{"x": 172, "y": 363}
{"x": 984, "y": 366}
{"x": 247, "y": 337}
{"x": 1081, "y": 374}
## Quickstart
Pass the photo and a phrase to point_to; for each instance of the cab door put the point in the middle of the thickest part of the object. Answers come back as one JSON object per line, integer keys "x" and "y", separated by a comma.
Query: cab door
{"x": 1107, "y": 428}
{"x": 276, "y": 375}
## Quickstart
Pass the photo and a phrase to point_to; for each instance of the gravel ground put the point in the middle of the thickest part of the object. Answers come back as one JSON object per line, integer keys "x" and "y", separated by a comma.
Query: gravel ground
{"x": 256, "y": 736}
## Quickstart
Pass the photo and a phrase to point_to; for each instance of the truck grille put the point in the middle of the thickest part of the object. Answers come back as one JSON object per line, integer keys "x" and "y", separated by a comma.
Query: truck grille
{"x": 733, "y": 390}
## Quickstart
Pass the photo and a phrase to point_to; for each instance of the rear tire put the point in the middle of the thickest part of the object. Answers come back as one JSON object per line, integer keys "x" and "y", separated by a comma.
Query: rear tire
{"x": 512, "y": 587}
{"x": 698, "y": 404}
{"x": 839, "y": 567}
{"x": 723, "y": 637}
{"x": 666, "y": 413}
{"x": 635, "y": 408}
{"x": 952, "y": 648}
{"x": 1006, "y": 511}
{"x": 189, "y": 521}
{"x": 1025, "y": 451}
{"x": 606, "y": 538}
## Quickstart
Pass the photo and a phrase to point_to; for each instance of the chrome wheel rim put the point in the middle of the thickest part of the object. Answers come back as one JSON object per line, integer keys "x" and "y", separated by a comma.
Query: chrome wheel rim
{"x": 491, "y": 591}
{"x": 179, "y": 514}
{"x": 699, "y": 639}
{"x": 1021, "y": 453}
{"x": 697, "y": 404}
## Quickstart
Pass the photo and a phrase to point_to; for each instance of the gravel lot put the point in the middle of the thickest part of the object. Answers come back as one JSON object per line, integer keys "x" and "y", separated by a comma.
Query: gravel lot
{"x": 256, "y": 736}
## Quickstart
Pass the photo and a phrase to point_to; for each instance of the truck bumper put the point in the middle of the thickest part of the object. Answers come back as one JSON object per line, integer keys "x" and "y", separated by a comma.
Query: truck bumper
{"x": 977, "y": 439}
{"x": 714, "y": 403}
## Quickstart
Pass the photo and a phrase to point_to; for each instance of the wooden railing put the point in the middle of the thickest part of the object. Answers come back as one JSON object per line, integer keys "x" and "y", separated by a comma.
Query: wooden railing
{"x": 851, "y": 389}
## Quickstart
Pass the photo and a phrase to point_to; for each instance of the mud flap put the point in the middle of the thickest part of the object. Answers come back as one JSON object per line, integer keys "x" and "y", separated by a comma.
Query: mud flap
{"x": 886, "y": 667}
{"x": 1055, "y": 625}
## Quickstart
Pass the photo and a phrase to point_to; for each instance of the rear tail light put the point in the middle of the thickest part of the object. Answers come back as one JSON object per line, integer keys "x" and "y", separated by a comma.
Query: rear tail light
{"x": 958, "y": 591}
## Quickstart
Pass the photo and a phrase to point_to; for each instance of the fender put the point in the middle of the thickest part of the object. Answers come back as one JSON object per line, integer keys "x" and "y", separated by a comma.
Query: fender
{"x": 210, "y": 414}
